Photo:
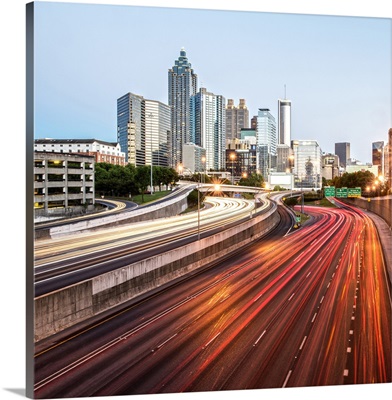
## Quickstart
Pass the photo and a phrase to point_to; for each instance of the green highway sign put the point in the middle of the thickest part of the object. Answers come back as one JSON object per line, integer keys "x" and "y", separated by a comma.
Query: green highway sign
{"x": 341, "y": 193}
{"x": 354, "y": 192}
{"x": 329, "y": 191}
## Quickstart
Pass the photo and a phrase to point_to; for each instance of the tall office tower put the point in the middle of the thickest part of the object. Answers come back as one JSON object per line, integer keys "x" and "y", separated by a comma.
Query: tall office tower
{"x": 284, "y": 121}
{"x": 343, "y": 151}
{"x": 307, "y": 164}
{"x": 131, "y": 128}
{"x": 236, "y": 119}
{"x": 378, "y": 156}
{"x": 208, "y": 127}
{"x": 182, "y": 85}
{"x": 157, "y": 117}
{"x": 266, "y": 142}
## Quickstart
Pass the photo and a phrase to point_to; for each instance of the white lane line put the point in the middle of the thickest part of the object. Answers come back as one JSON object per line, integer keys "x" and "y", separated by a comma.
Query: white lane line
{"x": 258, "y": 339}
{"x": 287, "y": 378}
{"x": 303, "y": 342}
{"x": 314, "y": 317}
{"x": 211, "y": 340}
{"x": 167, "y": 340}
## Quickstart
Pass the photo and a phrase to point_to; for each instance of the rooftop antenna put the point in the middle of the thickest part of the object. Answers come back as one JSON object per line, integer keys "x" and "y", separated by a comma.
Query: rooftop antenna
{"x": 285, "y": 92}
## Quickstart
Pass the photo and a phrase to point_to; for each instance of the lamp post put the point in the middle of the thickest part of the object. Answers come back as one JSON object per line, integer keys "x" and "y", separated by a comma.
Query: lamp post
{"x": 198, "y": 211}
{"x": 232, "y": 158}
{"x": 151, "y": 116}
{"x": 203, "y": 160}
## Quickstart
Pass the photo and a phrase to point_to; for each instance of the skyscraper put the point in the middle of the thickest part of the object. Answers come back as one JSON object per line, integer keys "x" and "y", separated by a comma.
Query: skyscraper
{"x": 208, "y": 126}
{"x": 343, "y": 151}
{"x": 236, "y": 119}
{"x": 182, "y": 85}
{"x": 284, "y": 121}
{"x": 157, "y": 117}
{"x": 131, "y": 128}
{"x": 266, "y": 141}
{"x": 143, "y": 128}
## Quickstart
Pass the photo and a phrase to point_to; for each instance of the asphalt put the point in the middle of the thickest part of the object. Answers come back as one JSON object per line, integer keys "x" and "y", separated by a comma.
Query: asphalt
{"x": 385, "y": 233}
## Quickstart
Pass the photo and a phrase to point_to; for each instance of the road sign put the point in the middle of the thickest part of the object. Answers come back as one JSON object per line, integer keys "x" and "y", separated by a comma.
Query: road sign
{"x": 298, "y": 218}
{"x": 341, "y": 193}
{"x": 329, "y": 191}
{"x": 354, "y": 192}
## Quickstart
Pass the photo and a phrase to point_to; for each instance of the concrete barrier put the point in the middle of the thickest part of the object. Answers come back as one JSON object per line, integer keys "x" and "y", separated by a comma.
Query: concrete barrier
{"x": 169, "y": 208}
{"x": 382, "y": 206}
{"x": 66, "y": 307}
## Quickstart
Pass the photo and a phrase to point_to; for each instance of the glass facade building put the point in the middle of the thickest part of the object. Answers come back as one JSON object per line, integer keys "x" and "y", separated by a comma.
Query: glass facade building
{"x": 208, "y": 127}
{"x": 131, "y": 128}
{"x": 157, "y": 133}
{"x": 284, "y": 121}
{"x": 182, "y": 84}
{"x": 307, "y": 164}
{"x": 266, "y": 142}
{"x": 342, "y": 150}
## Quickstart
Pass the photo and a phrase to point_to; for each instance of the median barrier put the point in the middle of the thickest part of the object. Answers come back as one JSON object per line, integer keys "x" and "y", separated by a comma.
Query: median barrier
{"x": 71, "y": 305}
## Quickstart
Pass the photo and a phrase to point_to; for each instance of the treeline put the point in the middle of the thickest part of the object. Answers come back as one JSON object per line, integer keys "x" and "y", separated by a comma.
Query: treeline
{"x": 122, "y": 181}
{"x": 366, "y": 180}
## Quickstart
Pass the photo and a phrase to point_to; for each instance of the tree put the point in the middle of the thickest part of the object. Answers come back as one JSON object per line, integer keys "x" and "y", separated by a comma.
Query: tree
{"x": 254, "y": 180}
{"x": 143, "y": 178}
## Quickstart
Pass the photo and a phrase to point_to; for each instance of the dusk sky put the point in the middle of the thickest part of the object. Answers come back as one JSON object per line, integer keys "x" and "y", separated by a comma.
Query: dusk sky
{"x": 337, "y": 70}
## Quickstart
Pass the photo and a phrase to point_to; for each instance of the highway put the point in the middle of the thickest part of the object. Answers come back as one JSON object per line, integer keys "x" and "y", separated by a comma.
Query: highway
{"x": 66, "y": 260}
{"x": 308, "y": 308}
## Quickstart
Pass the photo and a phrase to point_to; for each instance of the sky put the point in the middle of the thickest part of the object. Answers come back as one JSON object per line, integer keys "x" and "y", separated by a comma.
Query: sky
{"x": 14, "y": 221}
{"x": 336, "y": 70}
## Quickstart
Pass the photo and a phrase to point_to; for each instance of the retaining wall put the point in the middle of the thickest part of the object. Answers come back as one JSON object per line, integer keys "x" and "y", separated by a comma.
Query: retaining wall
{"x": 380, "y": 206}
{"x": 64, "y": 308}
{"x": 166, "y": 209}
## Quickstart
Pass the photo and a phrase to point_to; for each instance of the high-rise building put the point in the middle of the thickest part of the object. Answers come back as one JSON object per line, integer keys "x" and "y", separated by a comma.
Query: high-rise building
{"x": 378, "y": 156}
{"x": 307, "y": 164}
{"x": 284, "y": 121}
{"x": 266, "y": 142}
{"x": 131, "y": 128}
{"x": 208, "y": 126}
{"x": 143, "y": 130}
{"x": 342, "y": 150}
{"x": 157, "y": 117}
{"x": 236, "y": 118}
{"x": 182, "y": 85}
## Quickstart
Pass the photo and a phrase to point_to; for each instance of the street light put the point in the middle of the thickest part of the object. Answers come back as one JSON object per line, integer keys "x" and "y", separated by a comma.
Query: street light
{"x": 232, "y": 158}
{"x": 198, "y": 211}
{"x": 203, "y": 160}
{"x": 151, "y": 116}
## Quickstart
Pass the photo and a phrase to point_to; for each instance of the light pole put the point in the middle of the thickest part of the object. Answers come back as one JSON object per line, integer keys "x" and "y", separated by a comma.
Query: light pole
{"x": 151, "y": 116}
{"x": 232, "y": 158}
{"x": 198, "y": 211}
{"x": 203, "y": 160}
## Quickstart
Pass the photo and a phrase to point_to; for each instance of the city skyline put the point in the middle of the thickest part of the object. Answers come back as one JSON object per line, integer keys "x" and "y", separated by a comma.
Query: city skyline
{"x": 13, "y": 74}
{"x": 334, "y": 70}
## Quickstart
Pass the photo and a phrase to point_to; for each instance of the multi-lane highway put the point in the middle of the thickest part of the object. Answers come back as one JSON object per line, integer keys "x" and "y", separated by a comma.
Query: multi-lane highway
{"x": 308, "y": 308}
{"x": 66, "y": 260}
